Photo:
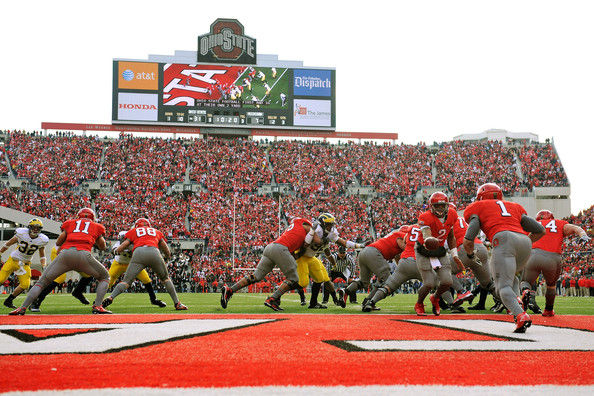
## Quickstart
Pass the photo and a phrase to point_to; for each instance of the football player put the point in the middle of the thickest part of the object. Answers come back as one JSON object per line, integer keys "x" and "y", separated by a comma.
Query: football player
{"x": 149, "y": 249}
{"x": 278, "y": 253}
{"x": 76, "y": 293}
{"x": 434, "y": 265}
{"x": 29, "y": 240}
{"x": 506, "y": 225}
{"x": 309, "y": 263}
{"x": 546, "y": 258}
{"x": 405, "y": 270}
{"x": 76, "y": 241}
{"x": 119, "y": 265}
{"x": 373, "y": 259}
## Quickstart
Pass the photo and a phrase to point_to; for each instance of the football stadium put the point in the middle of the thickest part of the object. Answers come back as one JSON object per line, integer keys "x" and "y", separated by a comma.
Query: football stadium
{"x": 244, "y": 245}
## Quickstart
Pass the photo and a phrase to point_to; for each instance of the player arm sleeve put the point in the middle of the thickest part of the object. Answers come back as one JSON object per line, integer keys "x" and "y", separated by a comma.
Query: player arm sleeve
{"x": 474, "y": 228}
{"x": 530, "y": 224}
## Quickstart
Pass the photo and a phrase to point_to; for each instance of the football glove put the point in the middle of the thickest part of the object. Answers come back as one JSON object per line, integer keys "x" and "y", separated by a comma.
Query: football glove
{"x": 474, "y": 258}
{"x": 584, "y": 239}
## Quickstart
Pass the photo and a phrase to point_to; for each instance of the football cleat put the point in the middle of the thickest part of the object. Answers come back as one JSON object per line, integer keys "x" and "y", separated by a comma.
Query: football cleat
{"x": 523, "y": 321}
{"x": 303, "y": 302}
{"x": 273, "y": 304}
{"x": 180, "y": 307}
{"x": 18, "y": 311}
{"x": 107, "y": 302}
{"x": 463, "y": 297}
{"x": 226, "y": 294}
{"x": 342, "y": 298}
{"x": 80, "y": 297}
{"x": 525, "y": 300}
{"x": 98, "y": 309}
{"x": 159, "y": 303}
{"x": 548, "y": 313}
{"x": 369, "y": 307}
{"x": 34, "y": 307}
{"x": 420, "y": 309}
{"x": 533, "y": 306}
{"x": 316, "y": 306}
{"x": 8, "y": 303}
{"x": 477, "y": 307}
{"x": 435, "y": 305}
{"x": 457, "y": 309}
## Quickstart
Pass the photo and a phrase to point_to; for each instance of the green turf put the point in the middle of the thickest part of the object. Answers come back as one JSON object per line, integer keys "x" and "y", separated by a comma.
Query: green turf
{"x": 253, "y": 303}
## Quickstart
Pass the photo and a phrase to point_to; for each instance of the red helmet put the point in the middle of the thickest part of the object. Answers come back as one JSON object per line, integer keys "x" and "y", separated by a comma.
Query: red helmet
{"x": 489, "y": 191}
{"x": 86, "y": 213}
{"x": 404, "y": 228}
{"x": 439, "y": 204}
{"x": 142, "y": 222}
{"x": 544, "y": 215}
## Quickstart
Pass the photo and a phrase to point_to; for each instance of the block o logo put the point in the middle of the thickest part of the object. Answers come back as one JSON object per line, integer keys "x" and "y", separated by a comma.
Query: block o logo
{"x": 226, "y": 42}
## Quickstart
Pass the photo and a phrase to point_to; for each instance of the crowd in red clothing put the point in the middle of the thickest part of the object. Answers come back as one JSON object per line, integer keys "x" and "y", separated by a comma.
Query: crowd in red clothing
{"x": 138, "y": 176}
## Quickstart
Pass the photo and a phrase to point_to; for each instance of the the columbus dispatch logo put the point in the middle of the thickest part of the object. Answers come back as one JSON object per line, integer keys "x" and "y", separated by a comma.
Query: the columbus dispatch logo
{"x": 226, "y": 43}
{"x": 312, "y": 83}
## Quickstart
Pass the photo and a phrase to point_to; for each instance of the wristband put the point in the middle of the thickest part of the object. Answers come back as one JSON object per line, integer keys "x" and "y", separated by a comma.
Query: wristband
{"x": 309, "y": 236}
{"x": 470, "y": 255}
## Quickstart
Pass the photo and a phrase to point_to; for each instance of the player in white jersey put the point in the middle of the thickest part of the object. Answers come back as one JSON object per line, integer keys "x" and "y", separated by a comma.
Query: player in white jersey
{"x": 119, "y": 265}
{"x": 29, "y": 240}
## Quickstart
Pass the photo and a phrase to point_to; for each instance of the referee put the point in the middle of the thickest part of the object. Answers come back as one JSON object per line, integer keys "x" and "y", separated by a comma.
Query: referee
{"x": 345, "y": 269}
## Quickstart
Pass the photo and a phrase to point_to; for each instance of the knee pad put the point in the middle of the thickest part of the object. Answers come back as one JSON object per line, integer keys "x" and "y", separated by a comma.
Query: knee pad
{"x": 292, "y": 284}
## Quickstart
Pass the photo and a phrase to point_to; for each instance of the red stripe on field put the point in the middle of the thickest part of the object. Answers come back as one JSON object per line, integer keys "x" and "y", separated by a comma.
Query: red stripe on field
{"x": 293, "y": 352}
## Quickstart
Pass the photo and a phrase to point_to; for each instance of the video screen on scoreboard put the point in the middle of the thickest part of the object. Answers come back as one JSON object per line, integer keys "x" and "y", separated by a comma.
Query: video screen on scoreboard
{"x": 216, "y": 95}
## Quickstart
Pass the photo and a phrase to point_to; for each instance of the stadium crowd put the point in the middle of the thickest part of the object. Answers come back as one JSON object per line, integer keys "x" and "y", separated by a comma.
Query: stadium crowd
{"x": 226, "y": 213}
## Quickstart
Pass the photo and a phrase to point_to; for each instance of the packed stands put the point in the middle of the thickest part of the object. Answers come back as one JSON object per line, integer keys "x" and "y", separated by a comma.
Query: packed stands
{"x": 226, "y": 213}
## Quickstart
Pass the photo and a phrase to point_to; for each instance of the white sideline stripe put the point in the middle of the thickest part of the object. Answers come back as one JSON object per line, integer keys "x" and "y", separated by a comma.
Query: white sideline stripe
{"x": 376, "y": 390}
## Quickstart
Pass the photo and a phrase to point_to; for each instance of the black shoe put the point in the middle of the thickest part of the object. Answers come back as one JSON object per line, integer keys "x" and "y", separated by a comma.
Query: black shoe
{"x": 342, "y": 297}
{"x": 8, "y": 303}
{"x": 303, "y": 302}
{"x": 226, "y": 294}
{"x": 159, "y": 303}
{"x": 34, "y": 307}
{"x": 477, "y": 307}
{"x": 107, "y": 302}
{"x": 81, "y": 298}
{"x": 498, "y": 307}
{"x": 318, "y": 306}
{"x": 526, "y": 297}
{"x": 457, "y": 309}
{"x": 370, "y": 306}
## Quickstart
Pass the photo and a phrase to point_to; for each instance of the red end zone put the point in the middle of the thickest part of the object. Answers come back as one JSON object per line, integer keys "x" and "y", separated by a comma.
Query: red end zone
{"x": 162, "y": 351}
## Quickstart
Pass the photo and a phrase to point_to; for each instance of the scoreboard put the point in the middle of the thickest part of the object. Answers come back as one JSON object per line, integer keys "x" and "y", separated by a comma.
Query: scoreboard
{"x": 209, "y": 95}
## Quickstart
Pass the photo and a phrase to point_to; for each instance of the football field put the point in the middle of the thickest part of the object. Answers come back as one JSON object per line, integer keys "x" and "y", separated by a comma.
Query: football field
{"x": 250, "y": 349}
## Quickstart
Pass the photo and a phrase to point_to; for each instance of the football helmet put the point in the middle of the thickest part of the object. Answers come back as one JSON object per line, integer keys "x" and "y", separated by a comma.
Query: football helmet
{"x": 327, "y": 221}
{"x": 544, "y": 215}
{"x": 439, "y": 204}
{"x": 142, "y": 222}
{"x": 35, "y": 226}
{"x": 489, "y": 191}
{"x": 404, "y": 228}
{"x": 86, "y": 213}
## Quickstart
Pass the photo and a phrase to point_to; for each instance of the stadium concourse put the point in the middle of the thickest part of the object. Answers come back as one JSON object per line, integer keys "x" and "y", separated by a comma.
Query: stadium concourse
{"x": 225, "y": 211}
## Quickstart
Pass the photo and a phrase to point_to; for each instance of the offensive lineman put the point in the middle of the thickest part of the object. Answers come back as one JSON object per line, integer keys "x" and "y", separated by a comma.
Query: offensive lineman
{"x": 76, "y": 242}
{"x": 148, "y": 244}
{"x": 120, "y": 264}
{"x": 29, "y": 240}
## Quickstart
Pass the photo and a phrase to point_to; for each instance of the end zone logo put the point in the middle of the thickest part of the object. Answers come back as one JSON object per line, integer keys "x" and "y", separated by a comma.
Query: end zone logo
{"x": 226, "y": 43}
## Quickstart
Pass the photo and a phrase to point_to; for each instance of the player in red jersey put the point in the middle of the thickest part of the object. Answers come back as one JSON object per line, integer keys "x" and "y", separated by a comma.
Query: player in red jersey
{"x": 434, "y": 265}
{"x": 406, "y": 269}
{"x": 77, "y": 239}
{"x": 480, "y": 271}
{"x": 505, "y": 224}
{"x": 373, "y": 259}
{"x": 278, "y": 253}
{"x": 546, "y": 257}
{"x": 150, "y": 250}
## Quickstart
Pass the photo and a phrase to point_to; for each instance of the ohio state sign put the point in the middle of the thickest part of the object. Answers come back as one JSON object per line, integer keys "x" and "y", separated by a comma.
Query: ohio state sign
{"x": 226, "y": 43}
